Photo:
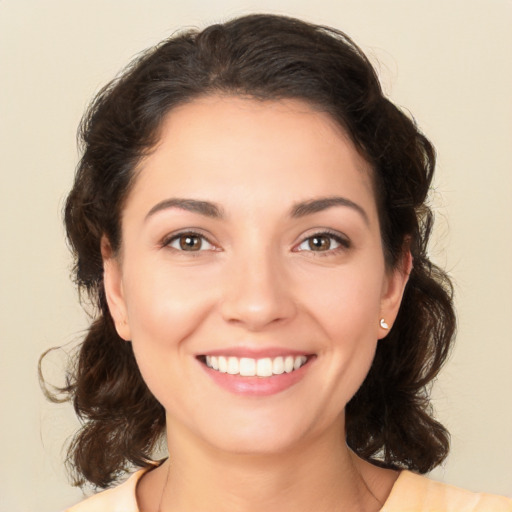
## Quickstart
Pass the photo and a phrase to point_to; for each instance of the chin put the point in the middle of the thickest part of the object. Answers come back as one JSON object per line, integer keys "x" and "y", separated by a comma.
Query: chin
{"x": 262, "y": 433}
{"x": 258, "y": 442}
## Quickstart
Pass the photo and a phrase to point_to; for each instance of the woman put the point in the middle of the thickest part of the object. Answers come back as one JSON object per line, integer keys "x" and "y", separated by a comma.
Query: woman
{"x": 249, "y": 217}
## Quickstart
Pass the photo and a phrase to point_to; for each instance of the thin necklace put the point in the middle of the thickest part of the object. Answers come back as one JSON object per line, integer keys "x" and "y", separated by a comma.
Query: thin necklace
{"x": 354, "y": 466}
{"x": 381, "y": 504}
{"x": 165, "y": 486}
{"x": 367, "y": 487}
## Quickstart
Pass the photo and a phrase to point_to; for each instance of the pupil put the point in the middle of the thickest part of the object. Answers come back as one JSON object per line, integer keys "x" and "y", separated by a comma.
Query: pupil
{"x": 190, "y": 242}
{"x": 319, "y": 243}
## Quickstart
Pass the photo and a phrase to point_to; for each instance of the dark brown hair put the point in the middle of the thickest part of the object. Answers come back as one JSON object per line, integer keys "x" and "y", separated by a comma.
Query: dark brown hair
{"x": 266, "y": 57}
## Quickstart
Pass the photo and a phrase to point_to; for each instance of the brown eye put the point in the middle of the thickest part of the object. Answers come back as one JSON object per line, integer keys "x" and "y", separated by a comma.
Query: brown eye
{"x": 320, "y": 243}
{"x": 189, "y": 242}
{"x": 324, "y": 242}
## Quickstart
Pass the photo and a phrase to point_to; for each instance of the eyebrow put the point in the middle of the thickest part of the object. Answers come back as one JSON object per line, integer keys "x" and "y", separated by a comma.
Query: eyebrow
{"x": 299, "y": 210}
{"x": 317, "y": 205}
{"x": 191, "y": 205}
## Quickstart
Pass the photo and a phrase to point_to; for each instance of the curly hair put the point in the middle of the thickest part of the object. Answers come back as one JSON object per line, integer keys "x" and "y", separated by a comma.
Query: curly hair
{"x": 389, "y": 421}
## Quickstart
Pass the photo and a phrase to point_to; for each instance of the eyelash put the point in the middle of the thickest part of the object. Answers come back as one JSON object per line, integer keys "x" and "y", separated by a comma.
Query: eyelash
{"x": 343, "y": 243}
{"x": 166, "y": 242}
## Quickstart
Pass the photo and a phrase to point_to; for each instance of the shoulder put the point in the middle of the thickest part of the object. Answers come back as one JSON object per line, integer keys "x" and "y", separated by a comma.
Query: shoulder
{"x": 118, "y": 499}
{"x": 417, "y": 493}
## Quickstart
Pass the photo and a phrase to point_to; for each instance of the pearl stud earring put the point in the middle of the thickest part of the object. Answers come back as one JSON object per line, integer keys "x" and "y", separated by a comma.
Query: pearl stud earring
{"x": 383, "y": 324}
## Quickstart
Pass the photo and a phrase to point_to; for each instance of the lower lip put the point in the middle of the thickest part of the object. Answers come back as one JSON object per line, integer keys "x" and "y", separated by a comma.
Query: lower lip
{"x": 257, "y": 386}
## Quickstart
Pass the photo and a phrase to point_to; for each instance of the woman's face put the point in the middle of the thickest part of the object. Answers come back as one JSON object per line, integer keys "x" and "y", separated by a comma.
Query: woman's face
{"x": 251, "y": 243}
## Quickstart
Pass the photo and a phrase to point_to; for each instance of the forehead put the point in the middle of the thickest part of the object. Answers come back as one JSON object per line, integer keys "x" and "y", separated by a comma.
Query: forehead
{"x": 219, "y": 147}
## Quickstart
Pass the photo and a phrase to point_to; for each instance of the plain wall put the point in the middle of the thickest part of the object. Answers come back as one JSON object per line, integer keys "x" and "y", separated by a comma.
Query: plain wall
{"x": 446, "y": 61}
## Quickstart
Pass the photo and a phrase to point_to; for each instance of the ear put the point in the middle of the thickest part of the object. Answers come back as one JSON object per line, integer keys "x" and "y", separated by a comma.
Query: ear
{"x": 393, "y": 291}
{"x": 113, "y": 283}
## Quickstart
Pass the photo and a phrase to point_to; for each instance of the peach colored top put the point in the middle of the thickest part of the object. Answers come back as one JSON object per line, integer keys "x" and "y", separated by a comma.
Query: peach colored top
{"x": 411, "y": 493}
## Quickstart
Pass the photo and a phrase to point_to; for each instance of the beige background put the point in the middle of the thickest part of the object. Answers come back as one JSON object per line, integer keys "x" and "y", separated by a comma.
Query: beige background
{"x": 447, "y": 61}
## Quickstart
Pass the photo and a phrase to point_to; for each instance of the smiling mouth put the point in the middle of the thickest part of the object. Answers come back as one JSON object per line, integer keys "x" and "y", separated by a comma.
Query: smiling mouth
{"x": 249, "y": 367}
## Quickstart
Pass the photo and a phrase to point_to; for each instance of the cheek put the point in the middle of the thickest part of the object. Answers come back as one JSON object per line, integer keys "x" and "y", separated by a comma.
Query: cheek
{"x": 346, "y": 301}
{"x": 164, "y": 305}
{"x": 346, "y": 306}
{"x": 164, "y": 310}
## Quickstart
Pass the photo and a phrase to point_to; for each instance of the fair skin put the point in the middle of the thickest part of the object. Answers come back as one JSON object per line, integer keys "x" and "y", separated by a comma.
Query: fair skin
{"x": 252, "y": 232}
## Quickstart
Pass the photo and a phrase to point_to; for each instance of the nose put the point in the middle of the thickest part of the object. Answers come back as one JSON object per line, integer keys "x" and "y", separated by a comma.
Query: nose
{"x": 258, "y": 292}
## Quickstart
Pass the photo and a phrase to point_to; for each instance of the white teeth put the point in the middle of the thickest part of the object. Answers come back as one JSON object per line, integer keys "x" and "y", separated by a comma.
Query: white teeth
{"x": 278, "y": 366}
{"x": 298, "y": 362}
{"x": 223, "y": 364}
{"x": 264, "y": 367}
{"x": 248, "y": 367}
{"x": 233, "y": 366}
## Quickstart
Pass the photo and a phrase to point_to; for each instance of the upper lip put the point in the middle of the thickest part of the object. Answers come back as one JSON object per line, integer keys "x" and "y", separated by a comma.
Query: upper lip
{"x": 255, "y": 353}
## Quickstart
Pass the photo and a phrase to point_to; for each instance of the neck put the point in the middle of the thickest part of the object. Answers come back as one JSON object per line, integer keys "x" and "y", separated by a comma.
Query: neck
{"x": 321, "y": 475}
